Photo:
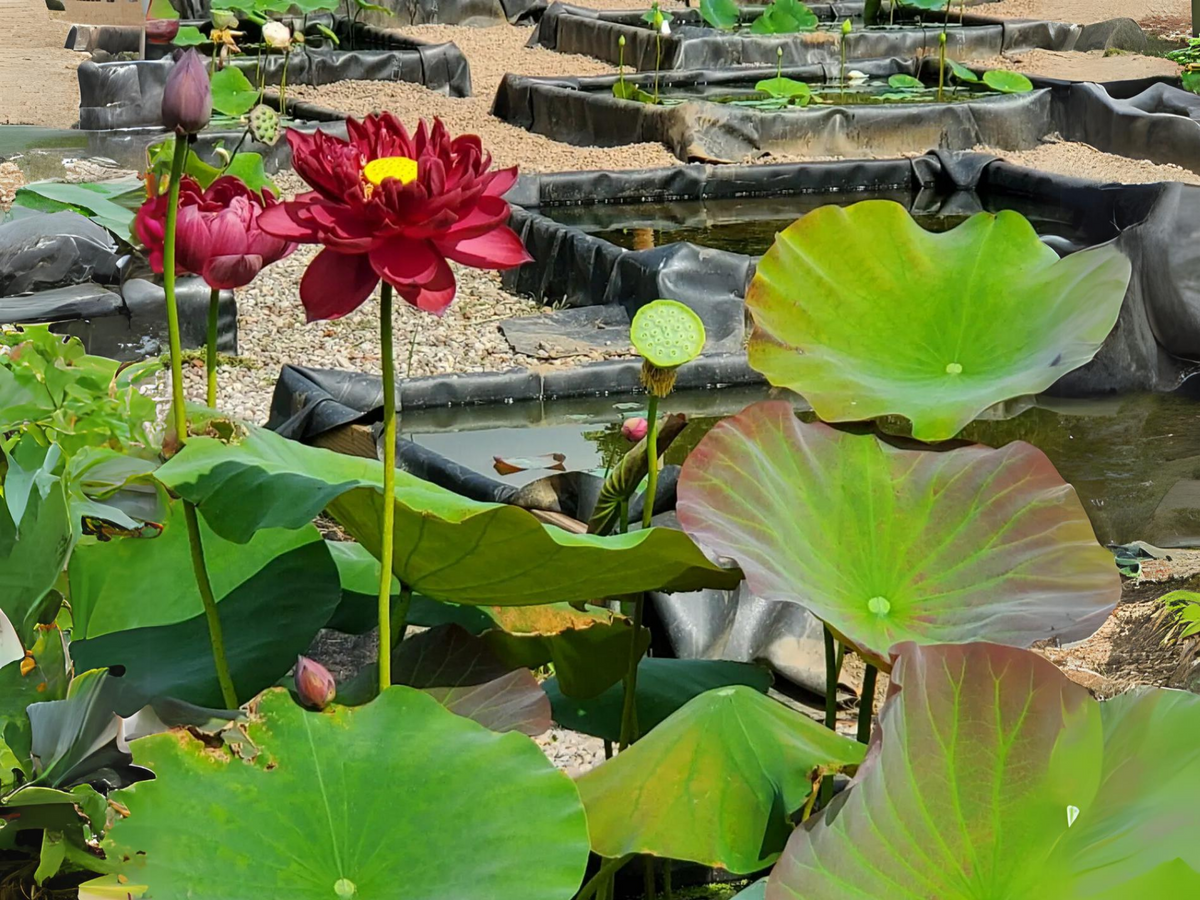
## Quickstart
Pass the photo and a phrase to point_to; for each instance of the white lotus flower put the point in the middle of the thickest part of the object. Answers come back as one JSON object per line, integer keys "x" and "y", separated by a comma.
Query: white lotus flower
{"x": 277, "y": 35}
{"x": 666, "y": 27}
{"x": 856, "y": 77}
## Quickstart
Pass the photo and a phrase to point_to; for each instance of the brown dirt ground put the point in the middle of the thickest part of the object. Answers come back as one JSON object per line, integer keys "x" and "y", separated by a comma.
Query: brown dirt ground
{"x": 37, "y": 76}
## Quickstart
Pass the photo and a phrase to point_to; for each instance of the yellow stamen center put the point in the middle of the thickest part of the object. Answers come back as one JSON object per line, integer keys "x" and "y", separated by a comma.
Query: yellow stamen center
{"x": 401, "y": 168}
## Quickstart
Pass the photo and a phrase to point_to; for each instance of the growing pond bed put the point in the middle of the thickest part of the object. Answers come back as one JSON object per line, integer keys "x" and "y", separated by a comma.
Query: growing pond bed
{"x": 695, "y": 121}
{"x": 1157, "y": 332}
{"x": 1132, "y": 460}
{"x": 692, "y": 44}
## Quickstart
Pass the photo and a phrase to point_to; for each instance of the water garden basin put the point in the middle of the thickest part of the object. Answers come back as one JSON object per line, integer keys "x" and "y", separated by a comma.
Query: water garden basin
{"x": 613, "y": 241}
{"x": 692, "y": 43}
{"x": 720, "y": 115}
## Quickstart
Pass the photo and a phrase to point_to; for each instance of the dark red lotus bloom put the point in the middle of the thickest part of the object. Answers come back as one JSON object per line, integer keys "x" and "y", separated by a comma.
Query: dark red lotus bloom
{"x": 390, "y": 206}
{"x": 217, "y": 235}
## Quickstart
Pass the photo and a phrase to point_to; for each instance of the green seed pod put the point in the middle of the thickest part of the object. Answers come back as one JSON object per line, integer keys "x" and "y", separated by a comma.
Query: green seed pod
{"x": 667, "y": 334}
{"x": 264, "y": 125}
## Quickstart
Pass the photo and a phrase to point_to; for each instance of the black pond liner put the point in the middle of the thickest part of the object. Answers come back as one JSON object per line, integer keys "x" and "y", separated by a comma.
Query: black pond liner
{"x": 128, "y": 94}
{"x": 64, "y": 270}
{"x": 1157, "y": 226}
{"x": 692, "y": 44}
{"x": 416, "y": 12}
{"x": 1140, "y": 119}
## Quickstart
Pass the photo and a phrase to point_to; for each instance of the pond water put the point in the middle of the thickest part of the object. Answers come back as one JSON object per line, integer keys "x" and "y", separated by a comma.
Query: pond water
{"x": 749, "y": 225}
{"x": 1134, "y": 460}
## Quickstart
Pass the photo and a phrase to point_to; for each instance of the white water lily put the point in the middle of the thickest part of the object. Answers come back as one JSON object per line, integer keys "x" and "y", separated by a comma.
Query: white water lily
{"x": 856, "y": 77}
{"x": 277, "y": 35}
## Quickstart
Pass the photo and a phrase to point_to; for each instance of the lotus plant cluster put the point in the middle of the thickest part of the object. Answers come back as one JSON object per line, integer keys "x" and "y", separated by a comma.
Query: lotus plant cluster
{"x": 172, "y": 723}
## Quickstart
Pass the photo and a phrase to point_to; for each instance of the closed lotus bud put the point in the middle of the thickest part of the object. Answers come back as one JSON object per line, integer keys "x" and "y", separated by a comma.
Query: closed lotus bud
{"x": 314, "y": 684}
{"x": 187, "y": 96}
{"x": 634, "y": 430}
{"x": 942, "y": 39}
{"x": 276, "y": 35}
{"x": 846, "y": 26}
{"x": 224, "y": 19}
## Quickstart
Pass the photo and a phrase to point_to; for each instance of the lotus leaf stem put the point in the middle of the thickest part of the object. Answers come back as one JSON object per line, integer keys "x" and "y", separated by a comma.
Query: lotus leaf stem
{"x": 609, "y": 868}
{"x": 210, "y": 348}
{"x": 668, "y": 894}
{"x": 400, "y": 614}
{"x": 657, "y": 62}
{"x": 179, "y": 411}
{"x": 228, "y": 694}
{"x": 651, "y": 460}
{"x": 831, "y": 680}
{"x": 387, "y": 525}
{"x": 648, "y": 877}
{"x": 866, "y": 704}
{"x": 629, "y": 726}
{"x": 287, "y": 56}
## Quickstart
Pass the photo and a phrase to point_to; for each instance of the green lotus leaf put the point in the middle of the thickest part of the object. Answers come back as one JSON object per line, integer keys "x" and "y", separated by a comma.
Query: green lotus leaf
{"x": 190, "y": 36}
{"x": 866, "y": 314}
{"x": 1007, "y": 82}
{"x": 232, "y": 92}
{"x": 781, "y": 87}
{"x": 667, "y": 333}
{"x": 888, "y": 545}
{"x": 927, "y": 4}
{"x": 663, "y": 686}
{"x": 458, "y": 670}
{"x": 722, "y": 14}
{"x": 755, "y": 891}
{"x": 961, "y": 72}
{"x": 36, "y": 536}
{"x": 998, "y": 777}
{"x": 273, "y": 594}
{"x": 785, "y": 17}
{"x": 1190, "y": 81}
{"x": 715, "y": 783}
{"x": 901, "y": 81}
{"x": 447, "y": 547}
{"x": 47, "y": 680}
{"x": 395, "y": 798}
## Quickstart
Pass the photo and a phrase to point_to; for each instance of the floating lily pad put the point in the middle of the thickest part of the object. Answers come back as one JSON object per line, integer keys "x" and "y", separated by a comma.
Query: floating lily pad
{"x": 867, "y": 314}
{"x": 901, "y": 81}
{"x": 1007, "y": 82}
{"x": 888, "y": 545}
{"x": 722, "y": 14}
{"x": 998, "y": 777}
{"x": 714, "y": 783}
{"x": 446, "y": 546}
{"x": 667, "y": 333}
{"x": 787, "y": 88}
{"x": 961, "y": 72}
{"x": 450, "y": 809}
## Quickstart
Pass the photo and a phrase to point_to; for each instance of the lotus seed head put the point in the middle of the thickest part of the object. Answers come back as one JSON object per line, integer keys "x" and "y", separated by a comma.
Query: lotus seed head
{"x": 667, "y": 333}
{"x": 953, "y": 368}
{"x": 344, "y": 887}
{"x": 880, "y": 606}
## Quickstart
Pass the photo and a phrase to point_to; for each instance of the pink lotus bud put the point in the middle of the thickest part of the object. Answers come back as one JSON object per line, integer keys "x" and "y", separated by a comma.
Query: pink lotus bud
{"x": 161, "y": 31}
{"x": 187, "y": 96}
{"x": 635, "y": 429}
{"x": 314, "y": 684}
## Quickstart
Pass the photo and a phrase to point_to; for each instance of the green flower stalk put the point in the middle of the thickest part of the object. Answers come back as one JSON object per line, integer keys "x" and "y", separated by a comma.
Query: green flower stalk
{"x": 187, "y": 107}
{"x": 210, "y": 349}
{"x": 667, "y": 334}
{"x": 941, "y": 65}
{"x": 842, "y": 47}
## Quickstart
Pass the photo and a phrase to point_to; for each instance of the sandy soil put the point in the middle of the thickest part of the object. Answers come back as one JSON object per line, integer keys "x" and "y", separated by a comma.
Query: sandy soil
{"x": 1087, "y": 11}
{"x": 37, "y": 76}
{"x": 1092, "y": 66}
{"x": 1085, "y": 161}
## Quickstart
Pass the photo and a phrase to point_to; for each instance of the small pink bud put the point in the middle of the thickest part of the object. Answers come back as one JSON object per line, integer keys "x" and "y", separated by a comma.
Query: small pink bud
{"x": 314, "y": 684}
{"x": 635, "y": 429}
{"x": 187, "y": 95}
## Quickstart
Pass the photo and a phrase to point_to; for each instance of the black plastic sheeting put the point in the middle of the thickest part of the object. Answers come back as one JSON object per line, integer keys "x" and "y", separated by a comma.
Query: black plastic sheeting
{"x": 1140, "y": 119}
{"x": 120, "y": 95}
{"x": 1157, "y": 226}
{"x": 416, "y": 12}
{"x": 693, "y": 45}
{"x": 63, "y": 269}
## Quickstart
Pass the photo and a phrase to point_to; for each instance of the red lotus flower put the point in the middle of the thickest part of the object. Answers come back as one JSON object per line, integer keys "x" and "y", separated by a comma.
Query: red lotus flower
{"x": 218, "y": 235}
{"x": 390, "y": 206}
